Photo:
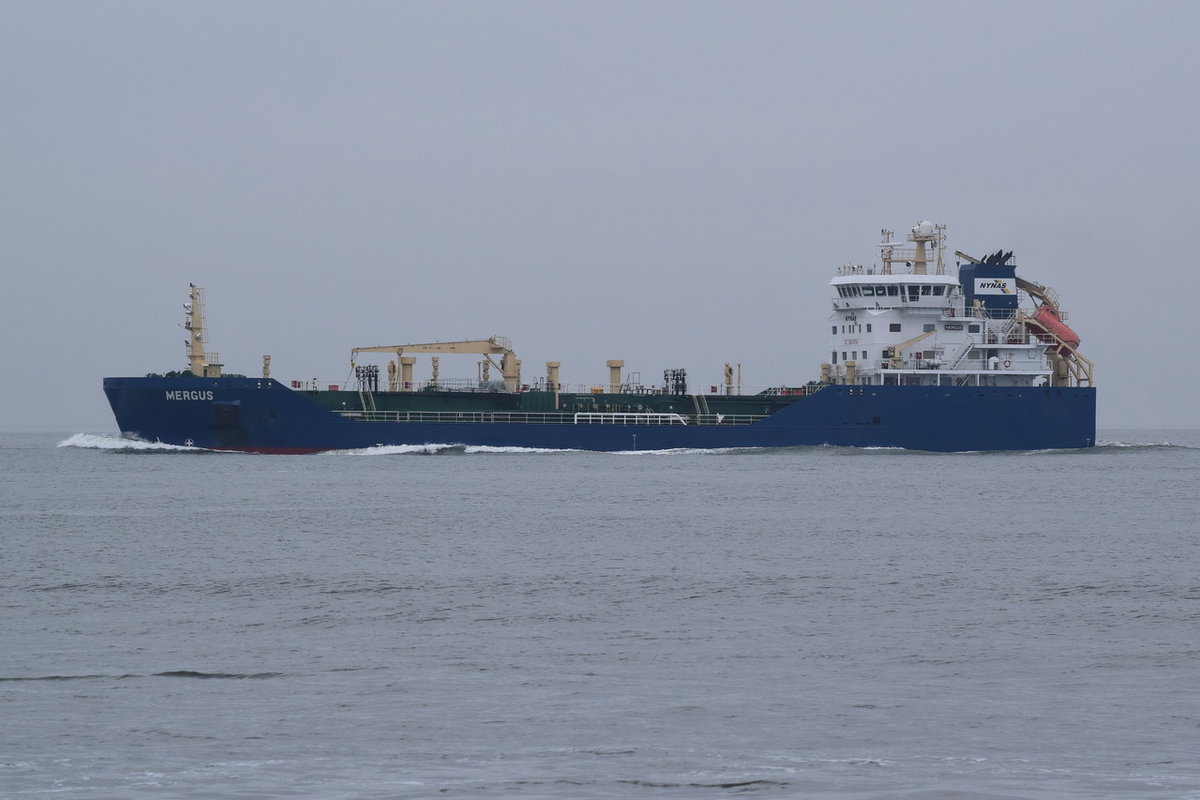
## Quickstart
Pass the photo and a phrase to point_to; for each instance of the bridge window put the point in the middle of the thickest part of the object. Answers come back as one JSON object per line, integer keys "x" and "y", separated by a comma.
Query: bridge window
{"x": 939, "y": 290}
{"x": 925, "y": 290}
{"x": 927, "y": 327}
{"x": 973, "y": 328}
{"x": 868, "y": 291}
{"x": 894, "y": 327}
{"x": 914, "y": 292}
{"x": 893, "y": 291}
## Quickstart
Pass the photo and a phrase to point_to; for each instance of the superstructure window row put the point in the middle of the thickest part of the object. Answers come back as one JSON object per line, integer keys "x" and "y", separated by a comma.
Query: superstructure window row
{"x": 913, "y": 291}
{"x": 853, "y": 355}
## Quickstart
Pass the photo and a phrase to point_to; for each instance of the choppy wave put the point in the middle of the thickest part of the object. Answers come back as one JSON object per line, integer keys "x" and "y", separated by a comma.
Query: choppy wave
{"x": 690, "y": 451}
{"x": 190, "y": 673}
{"x": 59, "y": 678}
{"x": 180, "y": 673}
{"x": 1142, "y": 446}
{"x": 1113, "y": 447}
{"x": 124, "y": 444}
{"x": 741, "y": 785}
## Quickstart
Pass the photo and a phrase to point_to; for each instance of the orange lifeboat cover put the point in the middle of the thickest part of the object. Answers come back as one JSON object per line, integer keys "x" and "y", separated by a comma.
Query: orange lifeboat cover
{"x": 1048, "y": 318}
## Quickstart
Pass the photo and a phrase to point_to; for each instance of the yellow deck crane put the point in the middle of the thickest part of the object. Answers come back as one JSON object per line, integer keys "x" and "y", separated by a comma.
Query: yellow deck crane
{"x": 895, "y": 354}
{"x": 509, "y": 366}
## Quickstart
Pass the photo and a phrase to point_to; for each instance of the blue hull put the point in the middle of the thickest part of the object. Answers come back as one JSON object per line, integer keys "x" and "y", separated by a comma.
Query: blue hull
{"x": 262, "y": 415}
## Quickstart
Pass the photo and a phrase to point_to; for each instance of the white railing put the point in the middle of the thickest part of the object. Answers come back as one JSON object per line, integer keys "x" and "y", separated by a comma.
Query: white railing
{"x": 628, "y": 418}
{"x": 547, "y": 418}
{"x": 475, "y": 386}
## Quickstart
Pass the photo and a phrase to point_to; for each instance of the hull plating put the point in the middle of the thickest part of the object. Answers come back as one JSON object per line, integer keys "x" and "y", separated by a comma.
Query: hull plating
{"x": 262, "y": 415}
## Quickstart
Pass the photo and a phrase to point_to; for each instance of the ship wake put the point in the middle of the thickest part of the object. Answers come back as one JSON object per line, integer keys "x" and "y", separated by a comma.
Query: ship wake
{"x": 124, "y": 444}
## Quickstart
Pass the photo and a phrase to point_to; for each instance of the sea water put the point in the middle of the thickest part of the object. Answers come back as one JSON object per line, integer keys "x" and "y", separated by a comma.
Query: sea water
{"x": 456, "y": 622}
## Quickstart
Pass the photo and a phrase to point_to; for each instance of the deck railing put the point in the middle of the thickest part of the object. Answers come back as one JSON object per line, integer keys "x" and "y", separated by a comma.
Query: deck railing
{"x": 470, "y": 386}
{"x": 628, "y": 418}
{"x": 549, "y": 418}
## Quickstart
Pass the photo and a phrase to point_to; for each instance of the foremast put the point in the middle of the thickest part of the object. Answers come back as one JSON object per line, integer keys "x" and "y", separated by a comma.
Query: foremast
{"x": 202, "y": 364}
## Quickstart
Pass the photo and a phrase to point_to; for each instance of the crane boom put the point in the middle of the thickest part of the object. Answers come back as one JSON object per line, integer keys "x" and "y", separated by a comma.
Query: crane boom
{"x": 510, "y": 366}
{"x": 896, "y": 349}
{"x": 1043, "y": 294}
{"x": 495, "y": 345}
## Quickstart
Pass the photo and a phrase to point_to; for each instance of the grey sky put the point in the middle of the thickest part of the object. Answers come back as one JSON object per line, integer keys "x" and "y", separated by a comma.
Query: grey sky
{"x": 667, "y": 183}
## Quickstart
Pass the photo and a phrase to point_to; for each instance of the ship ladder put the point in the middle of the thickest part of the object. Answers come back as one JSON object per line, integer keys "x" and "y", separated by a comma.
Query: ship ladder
{"x": 367, "y": 399}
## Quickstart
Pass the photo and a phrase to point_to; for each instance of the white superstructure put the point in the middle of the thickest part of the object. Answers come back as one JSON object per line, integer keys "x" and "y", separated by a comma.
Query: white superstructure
{"x": 906, "y": 322}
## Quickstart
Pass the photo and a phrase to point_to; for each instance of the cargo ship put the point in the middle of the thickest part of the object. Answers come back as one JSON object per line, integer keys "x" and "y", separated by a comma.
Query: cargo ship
{"x": 919, "y": 358}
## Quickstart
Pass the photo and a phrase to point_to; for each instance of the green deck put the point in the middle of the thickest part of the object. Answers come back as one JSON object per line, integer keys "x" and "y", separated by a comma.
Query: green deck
{"x": 686, "y": 405}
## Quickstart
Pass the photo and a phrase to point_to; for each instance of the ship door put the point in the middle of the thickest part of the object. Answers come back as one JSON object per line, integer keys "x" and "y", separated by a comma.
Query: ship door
{"x": 227, "y": 424}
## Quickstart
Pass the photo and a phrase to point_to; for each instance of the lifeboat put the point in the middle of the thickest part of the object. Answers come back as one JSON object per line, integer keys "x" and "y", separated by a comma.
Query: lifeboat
{"x": 1046, "y": 317}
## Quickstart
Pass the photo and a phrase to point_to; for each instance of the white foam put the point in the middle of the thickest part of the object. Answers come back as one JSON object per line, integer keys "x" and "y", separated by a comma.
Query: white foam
{"x": 396, "y": 450}
{"x": 112, "y": 441}
{"x": 1118, "y": 445}
{"x": 436, "y": 449}
{"x": 487, "y": 449}
{"x": 683, "y": 451}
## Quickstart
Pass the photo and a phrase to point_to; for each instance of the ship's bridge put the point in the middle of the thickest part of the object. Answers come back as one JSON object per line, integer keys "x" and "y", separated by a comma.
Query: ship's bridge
{"x": 905, "y": 323}
{"x": 855, "y": 287}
